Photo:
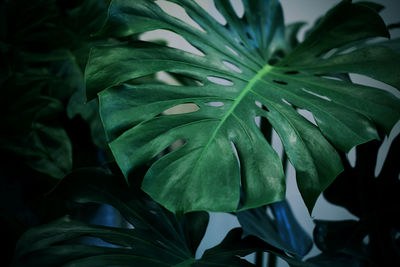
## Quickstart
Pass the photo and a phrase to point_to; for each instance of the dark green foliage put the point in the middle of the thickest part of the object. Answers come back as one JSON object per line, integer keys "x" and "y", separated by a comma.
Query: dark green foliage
{"x": 374, "y": 201}
{"x": 212, "y": 158}
{"x": 157, "y": 238}
{"x": 43, "y": 53}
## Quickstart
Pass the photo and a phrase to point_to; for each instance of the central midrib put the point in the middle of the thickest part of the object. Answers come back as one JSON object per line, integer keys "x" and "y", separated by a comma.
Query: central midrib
{"x": 267, "y": 68}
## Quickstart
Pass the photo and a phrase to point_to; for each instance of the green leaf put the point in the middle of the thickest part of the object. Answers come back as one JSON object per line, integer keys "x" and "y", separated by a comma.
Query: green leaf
{"x": 206, "y": 173}
{"x": 375, "y": 6}
{"x": 89, "y": 111}
{"x": 280, "y": 230}
{"x": 393, "y": 44}
{"x": 156, "y": 239}
{"x": 291, "y": 32}
{"x": 48, "y": 150}
{"x": 37, "y": 137}
{"x": 38, "y": 74}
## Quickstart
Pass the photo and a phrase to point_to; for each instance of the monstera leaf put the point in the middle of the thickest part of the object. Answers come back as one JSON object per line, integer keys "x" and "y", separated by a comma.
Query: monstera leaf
{"x": 157, "y": 238}
{"x": 40, "y": 49}
{"x": 374, "y": 205}
{"x": 280, "y": 230}
{"x": 244, "y": 71}
{"x": 37, "y": 137}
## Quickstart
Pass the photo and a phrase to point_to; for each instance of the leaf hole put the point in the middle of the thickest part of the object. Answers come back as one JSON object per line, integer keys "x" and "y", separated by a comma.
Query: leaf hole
{"x": 181, "y": 109}
{"x": 232, "y": 66}
{"x": 173, "y": 39}
{"x": 236, "y": 153}
{"x": 240, "y": 168}
{"x": 269, "y": 213}
{"x": 280, "y": 82}
{"x": 214, "y": 104}
{"x": 231, "y": 50}
{"x": 286, "y": 102}
{"x": 385, "y": 148}
{"x": 220, "y": 81}
{"x": 367, "y": 81}
{"x": 210, "y": 8}
{"x": 262, "y": 106}
{"x": 178, "y": 12}
{"x": 347, "y": 51}
{"x": 277, "y": 144}
{"x": 291, "y": 72}
{"x": 330, "y": 53}
{"x": 351, "y": 157}
{"x": 177, "y": 144}
{"x": 180, "y": 79}
{"x": 239, "y": 41}
{"x": 317, "y": 95}
{"x": 257, "y": 120}
{"x": 198, "y": 83}
{"x": 238, "y": 7}
{"x": 328, "y": 77}
{"x": 307, "y": 115}
{"x": 167, "y": 78}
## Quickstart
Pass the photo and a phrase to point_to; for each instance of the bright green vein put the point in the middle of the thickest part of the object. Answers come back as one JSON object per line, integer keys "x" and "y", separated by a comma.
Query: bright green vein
{"x": 267, "y": 68}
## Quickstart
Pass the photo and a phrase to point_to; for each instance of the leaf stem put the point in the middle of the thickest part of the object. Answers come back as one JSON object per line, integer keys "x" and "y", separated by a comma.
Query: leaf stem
{"x": 259, "y": 259}
{"x": 271, "y": 260}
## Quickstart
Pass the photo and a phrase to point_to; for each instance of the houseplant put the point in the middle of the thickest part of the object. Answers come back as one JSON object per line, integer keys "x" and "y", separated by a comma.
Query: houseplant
{"x": 247, "y": 69}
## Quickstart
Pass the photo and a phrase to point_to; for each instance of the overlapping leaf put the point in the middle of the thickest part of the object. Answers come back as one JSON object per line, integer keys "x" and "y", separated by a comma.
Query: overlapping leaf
{"x": 41, "y": 48}
{"x": 280, "y": 230}
{"x": 374, "y": 205}
{"x": 239, "y": 77}
{"x": 156, "y": 239}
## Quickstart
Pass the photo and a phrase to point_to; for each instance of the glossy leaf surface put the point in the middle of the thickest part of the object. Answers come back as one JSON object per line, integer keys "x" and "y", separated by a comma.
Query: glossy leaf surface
{"x": 240, "y": 76}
